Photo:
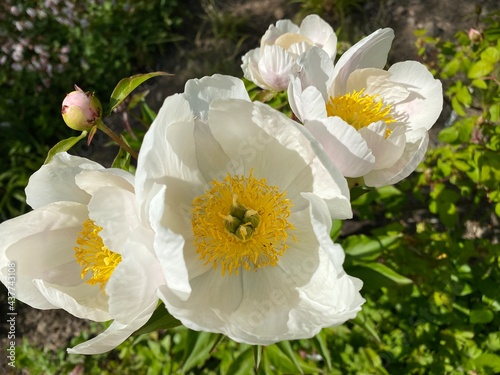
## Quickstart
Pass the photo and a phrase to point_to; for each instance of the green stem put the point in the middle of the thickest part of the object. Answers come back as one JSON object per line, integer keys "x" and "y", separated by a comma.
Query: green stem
{"x": 102, "y": 126}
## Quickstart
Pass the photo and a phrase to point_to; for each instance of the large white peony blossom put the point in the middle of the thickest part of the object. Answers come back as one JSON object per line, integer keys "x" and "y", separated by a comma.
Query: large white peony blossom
{"x": 252, "y": 196}
{"x": 372, "y": 123}
{"x": 271, "y": 65}
{"x": 83, "y": 249}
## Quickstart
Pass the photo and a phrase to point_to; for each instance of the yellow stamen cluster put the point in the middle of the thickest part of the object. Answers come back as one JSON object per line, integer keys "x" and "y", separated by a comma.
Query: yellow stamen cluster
{"x": 360, "y": 110}
{"x": 94, "y": 256}
{"x": 241, "y": 222}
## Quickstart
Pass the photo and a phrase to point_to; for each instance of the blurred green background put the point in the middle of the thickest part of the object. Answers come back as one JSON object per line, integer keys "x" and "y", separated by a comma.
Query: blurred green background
{"x": 427, "y": 248}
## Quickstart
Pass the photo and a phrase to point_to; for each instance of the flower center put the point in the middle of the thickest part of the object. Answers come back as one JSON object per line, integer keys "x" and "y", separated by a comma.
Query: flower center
{"x": 360, "y": 110}
{"x": 286, "y": 40}
{"x": 93, "y": 256}
{"x": 241, "y": 221}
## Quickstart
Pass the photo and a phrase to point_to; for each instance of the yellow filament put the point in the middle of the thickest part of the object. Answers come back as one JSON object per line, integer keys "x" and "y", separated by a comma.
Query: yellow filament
{"x": 360, "y": 110}
{"x": 255, "y": 241}
{"x": 93, "y": 256}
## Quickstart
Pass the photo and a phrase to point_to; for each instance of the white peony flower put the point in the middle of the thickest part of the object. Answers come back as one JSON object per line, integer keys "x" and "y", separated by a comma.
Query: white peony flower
{"x": 372, "y": 123}
{"x": 83, "y": 249}
{"x": 271, "y": 65}
{"x": 253, "y": 196}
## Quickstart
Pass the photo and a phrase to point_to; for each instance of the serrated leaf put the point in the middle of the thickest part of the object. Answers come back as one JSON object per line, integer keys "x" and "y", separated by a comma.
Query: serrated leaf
{"x": 388, "y": 273}
{"x": 63, "y": 146}
{"x": 480, "y": 69}
{"x": 127, "y": 85}
{"x": 161, "y": 319}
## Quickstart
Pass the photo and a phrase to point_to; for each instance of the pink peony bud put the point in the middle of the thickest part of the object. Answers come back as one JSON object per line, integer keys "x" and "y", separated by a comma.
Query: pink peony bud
{"x": 81, "y": 110}
{"x": 475, "y": 35}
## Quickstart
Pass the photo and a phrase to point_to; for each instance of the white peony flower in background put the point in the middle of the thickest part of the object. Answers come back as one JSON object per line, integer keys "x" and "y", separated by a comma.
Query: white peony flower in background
{"x": 372, "y": 123}
{"x": 271, "y": 65}
{"x": 83, "y": 249}
{"x": 252, "y": 195}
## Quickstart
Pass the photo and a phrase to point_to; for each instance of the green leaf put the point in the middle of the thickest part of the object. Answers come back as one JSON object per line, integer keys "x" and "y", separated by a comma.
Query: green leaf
{"x": 161, "y": 319}
{"x": 480, "y": 69}
{"x": 494, "y": 112}
{"x": 257, "y": 356}
{"x": 448, "y": 135}
{"x": 286, "y": 348}
{"x": 127, "y": 85}
{"x": 319, "y": 341}
{"x": 63, "y": 145}
{"x": 336, "y": 228}
{"x": 491, "y": 55}
{"x": 481, "y": 316}
{"x": 243, "y": 364}
{"x": 388, "y": 273}
{"x": 198, "y": 348}
{"x": 479, "y": 83}
{"x": 364, "y": 247}
{"x": 489, "y": 360}
{"x": 457, "y": 107}
{"x": 497, "y": 209}
{"x": 122, "y": 159}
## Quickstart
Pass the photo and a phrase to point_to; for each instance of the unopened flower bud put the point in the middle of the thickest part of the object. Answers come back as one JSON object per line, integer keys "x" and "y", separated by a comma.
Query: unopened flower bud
{"x": 81, "y": 110}
{"x": 475, "y": 36}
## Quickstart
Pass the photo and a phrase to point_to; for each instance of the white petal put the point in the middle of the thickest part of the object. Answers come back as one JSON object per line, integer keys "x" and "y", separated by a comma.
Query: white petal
{"x": 308, "y": 104}
{"x": 91, "y": 181}
{"x": 320, "y": 32}
{"x": 377, "y": 82}
{"x": 274, "y": 32}
{"x": 386, "y": 151}
{"x": 370, "y": 52}
{"x": 426, "y": 100}
{"x": 136, "y": 278}
{"x": 113, "y": 336}
{"x": 167, "y": 151}
{"x": 84, "y": 301}
{"x": 344, "y": 145}
{"x": 201, "y": 92}
{"x": 275, "y": 67}
{"x": 55, "y": 181}
{"x": 414, "y": 152}
{"x": 316, "y": 70}
{"x": 250, "y": 67}
{"x": 41, "y": 244}
{"x": 169, "y": 245}
{"x": 115, "y": 210}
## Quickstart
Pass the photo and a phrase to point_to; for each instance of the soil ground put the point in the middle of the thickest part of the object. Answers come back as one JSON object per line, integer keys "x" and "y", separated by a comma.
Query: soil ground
{"x": 53, "y": 329}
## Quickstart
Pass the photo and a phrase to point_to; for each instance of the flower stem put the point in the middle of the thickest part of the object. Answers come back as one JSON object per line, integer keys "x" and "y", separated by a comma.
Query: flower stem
{"x": 102, "y": 126}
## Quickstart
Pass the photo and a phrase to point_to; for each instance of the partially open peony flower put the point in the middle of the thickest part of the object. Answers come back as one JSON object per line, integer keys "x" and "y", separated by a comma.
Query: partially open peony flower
{"x": 83, "y": 249}
{"x": 372, "y": 123}
{"x": 271, "y": 65}
{"x": 253, "y": 196}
